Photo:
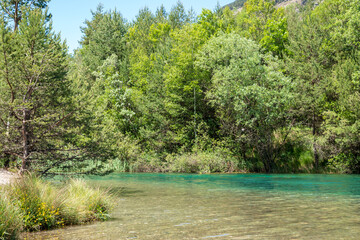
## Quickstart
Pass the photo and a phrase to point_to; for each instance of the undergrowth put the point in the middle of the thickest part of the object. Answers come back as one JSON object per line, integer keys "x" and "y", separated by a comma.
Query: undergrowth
{"x": 33, "y": 204}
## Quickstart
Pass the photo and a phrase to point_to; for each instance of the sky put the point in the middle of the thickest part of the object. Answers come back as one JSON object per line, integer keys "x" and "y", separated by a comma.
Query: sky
{"x": 70, "y": 15}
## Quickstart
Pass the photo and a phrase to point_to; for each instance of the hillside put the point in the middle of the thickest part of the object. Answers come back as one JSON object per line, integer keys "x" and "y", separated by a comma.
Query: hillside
{"x": 236, "y": 5}
{"x": 280, "y": 3}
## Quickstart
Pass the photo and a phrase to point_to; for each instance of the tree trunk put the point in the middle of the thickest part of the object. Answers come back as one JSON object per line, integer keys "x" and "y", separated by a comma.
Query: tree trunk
{"x": 25, "y": 141}
{"x": 316, "y": 157}
{"x": 316, "y": 154}
{"x": 267, "y": 154}
{"x": 16, "y": 16}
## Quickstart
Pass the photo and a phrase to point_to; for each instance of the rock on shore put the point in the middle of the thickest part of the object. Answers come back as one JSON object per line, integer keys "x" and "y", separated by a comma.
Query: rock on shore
{"x": 6, "y": 177}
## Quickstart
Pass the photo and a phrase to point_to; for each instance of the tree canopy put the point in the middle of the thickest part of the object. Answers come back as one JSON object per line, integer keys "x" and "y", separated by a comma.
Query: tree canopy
{"x": 261, "y": 89}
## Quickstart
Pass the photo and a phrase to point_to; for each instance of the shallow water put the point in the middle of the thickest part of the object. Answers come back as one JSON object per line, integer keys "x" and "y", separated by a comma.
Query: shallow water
{"x": 250, "y": 206}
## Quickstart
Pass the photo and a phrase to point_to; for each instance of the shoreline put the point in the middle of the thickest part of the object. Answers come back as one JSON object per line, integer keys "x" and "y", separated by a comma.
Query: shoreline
{"x": 6, "y": 177}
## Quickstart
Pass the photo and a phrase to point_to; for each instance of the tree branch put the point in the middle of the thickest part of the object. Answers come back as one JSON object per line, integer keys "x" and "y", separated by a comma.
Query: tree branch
{"x": 7, "y": 75}
{"x": 32, "y": 85}
{"x": 6, "y": 10}
{"x": 57, "y": 163}
{"x": 14, "y": 154}
{"x": 2, "y": 120}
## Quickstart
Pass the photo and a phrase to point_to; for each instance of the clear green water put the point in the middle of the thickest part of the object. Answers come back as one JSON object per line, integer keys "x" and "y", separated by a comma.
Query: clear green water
{"x": 159, "y": 206}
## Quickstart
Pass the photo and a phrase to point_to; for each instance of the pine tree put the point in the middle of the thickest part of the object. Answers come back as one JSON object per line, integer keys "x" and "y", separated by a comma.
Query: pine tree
{"x": 38, "y": 121}
{"x": 13, "y": 9}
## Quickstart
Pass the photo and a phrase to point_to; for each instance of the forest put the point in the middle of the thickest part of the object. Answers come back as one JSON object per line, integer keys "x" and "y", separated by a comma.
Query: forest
{"x": 265, "y": 89}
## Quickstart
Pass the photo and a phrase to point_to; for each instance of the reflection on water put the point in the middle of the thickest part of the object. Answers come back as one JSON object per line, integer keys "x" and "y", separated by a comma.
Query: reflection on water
{"x": 159, "y": 206}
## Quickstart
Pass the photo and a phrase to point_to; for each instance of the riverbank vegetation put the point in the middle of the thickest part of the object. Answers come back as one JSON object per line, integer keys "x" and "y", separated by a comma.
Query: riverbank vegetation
{"x": 32, "y": 204}
{"x": 267, "y": 89}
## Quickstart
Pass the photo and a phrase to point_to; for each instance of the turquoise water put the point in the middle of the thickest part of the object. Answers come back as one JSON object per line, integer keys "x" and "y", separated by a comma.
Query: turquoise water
{"x": 306, "y": 184}
{"x": 248, "y": 206}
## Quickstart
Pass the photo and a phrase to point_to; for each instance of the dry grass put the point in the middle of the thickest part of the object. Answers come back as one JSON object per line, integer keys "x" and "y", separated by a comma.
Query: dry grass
{"x": 33, "y": 204}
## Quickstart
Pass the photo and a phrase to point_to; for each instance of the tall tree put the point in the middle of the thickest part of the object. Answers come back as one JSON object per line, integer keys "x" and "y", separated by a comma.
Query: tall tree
{"x": 262, "y": 22}
{"x": 310, "y": 63}
{"x": 35, "y": 63}
{"x": 99, "y": 76}
{"x": 38, "y": 120}
{"x": 178, "y": 16}
{"x": 13, "y": 9}
{"x": 249, "y": 91}
{"x": 341, "y": 144}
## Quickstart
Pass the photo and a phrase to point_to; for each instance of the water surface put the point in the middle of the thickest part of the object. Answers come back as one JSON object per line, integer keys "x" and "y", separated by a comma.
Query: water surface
{"x": 249, "y": 206}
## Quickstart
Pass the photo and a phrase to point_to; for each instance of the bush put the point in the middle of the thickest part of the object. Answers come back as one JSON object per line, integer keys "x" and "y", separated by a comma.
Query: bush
{"x": 39, "y": 202}
{"x": 344, "y": 163}
{"x": 11, "y": 223}
{"x": 202, "y": 162}
{"x": 83, "y": 204}
{"x": 42, "y": 206}
{"x": 148, "y": 162}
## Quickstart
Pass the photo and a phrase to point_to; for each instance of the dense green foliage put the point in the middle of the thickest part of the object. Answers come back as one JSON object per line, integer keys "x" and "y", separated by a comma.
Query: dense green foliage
{"x": 32, "y": 204}
{"x": 41, "y": 127}
{"x": 266, "y": 89}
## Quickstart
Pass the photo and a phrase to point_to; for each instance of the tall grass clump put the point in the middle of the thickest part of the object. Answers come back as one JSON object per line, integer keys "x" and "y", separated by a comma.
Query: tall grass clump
{"x": 39, "y": 202}
{"x": 43, "y": 205}
{"x": 11, "y": 223}
{"x": 83, "y": 204}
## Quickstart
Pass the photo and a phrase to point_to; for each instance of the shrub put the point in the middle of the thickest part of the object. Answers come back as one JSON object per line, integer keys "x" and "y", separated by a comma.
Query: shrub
{"x": 41, "y": 205}
{"x": 83, "y": 204}
{"x": 202, "y": 162}
{"x": 148, "y": 162}
{"x": 39, "y": 202}
{"x": 11, "y": 223}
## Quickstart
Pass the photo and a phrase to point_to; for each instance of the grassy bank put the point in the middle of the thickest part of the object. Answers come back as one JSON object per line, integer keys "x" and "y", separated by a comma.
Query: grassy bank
{"x": 32, "y": 204}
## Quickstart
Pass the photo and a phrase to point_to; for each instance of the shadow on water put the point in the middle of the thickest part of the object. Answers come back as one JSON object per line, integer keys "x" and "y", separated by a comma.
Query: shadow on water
{"x": 128, "y": 192}
{"x": 118, "y": 191}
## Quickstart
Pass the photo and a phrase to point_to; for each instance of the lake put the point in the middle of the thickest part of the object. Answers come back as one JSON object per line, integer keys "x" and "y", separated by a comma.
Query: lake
{"x": 244, "y": 206}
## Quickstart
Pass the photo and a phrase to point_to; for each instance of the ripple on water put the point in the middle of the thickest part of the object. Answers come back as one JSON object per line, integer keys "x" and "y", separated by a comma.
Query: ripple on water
{"x": 217, "y": 236}
{"x": 157, "y": 206}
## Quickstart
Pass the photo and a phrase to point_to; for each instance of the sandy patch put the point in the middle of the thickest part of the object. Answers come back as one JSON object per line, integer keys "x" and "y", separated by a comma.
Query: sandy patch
{"x": 6, "y": 177}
